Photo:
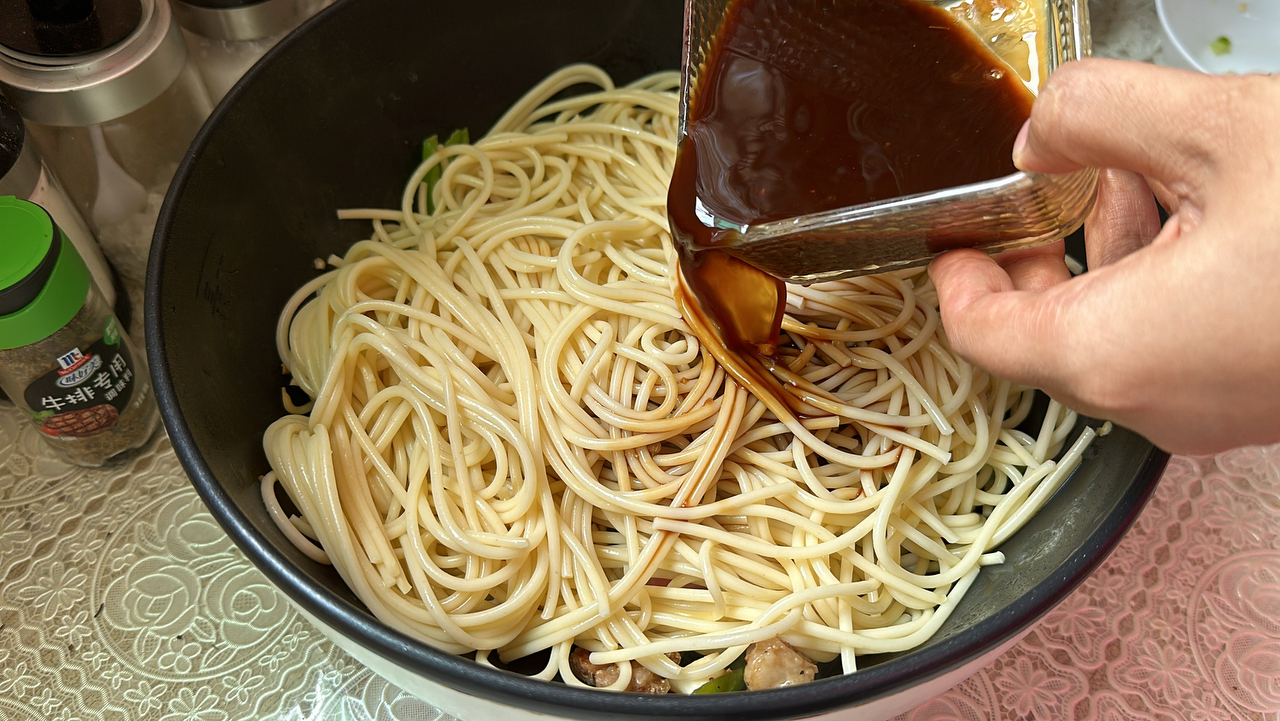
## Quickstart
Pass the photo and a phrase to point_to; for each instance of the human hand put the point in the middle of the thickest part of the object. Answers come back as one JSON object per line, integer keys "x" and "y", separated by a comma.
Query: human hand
{"x": 1175, "y": 331}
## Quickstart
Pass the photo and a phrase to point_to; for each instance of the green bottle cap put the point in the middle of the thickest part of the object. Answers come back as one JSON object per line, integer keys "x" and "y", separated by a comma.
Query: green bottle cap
{"x": 43, "y": 280}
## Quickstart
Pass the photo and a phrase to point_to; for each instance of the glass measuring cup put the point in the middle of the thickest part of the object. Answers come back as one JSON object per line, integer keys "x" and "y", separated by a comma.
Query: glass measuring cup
{"x": 1033, "y": 37}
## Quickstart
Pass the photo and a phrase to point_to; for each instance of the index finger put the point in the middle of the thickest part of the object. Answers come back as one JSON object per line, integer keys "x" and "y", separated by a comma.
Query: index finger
{"x": 1155, "y": 121}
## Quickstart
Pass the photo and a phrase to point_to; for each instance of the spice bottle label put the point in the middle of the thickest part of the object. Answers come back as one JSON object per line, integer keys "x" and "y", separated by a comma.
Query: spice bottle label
{"x": 86, "y": 393}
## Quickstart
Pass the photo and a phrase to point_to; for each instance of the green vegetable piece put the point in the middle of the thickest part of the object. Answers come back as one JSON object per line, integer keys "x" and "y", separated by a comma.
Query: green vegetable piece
{"x": 429, "y": 148}
{"x": 461, "y": 136}
{"x": 1221, "y": 46}
{"x": 731, "y": 681}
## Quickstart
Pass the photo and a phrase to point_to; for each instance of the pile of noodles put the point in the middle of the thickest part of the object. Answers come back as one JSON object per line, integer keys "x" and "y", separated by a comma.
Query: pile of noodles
{"x": 517, "y": 444}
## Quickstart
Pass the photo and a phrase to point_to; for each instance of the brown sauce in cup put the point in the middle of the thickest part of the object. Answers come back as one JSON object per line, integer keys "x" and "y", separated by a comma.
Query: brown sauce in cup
{"x": 804, "y": 106}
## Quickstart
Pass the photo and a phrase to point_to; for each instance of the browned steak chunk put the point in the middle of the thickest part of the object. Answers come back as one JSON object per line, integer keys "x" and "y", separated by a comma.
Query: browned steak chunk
{"x": 642, "y": 679}
{"x": 775, "y": 663}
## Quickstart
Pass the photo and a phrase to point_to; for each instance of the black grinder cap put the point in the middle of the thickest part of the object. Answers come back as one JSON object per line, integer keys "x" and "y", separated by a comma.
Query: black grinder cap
{"x": 223, "y": 4}
{"x": 58, "y": 29}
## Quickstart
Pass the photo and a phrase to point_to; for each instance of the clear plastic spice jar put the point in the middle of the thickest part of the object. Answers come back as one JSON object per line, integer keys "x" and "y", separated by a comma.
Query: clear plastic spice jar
{"x": 24, "y": 174}
{"x": 226, "y": 37}
{"x": 113, "y": 101}
{"x": 64, "y": 359}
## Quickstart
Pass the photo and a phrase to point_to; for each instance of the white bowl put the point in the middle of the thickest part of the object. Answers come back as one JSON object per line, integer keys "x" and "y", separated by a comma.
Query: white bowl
{"x": 1191, "y": 28}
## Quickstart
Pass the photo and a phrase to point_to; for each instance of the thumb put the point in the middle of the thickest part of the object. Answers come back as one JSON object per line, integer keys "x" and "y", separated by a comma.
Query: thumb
{"x": 1012, "y": 332}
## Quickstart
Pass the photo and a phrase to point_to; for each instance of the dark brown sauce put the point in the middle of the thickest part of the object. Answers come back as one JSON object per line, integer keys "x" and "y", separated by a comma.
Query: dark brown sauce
{"x": 809, "y": 105}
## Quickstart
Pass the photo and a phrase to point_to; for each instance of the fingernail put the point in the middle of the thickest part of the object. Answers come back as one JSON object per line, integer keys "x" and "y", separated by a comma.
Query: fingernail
{"x": 1020, "y": 144}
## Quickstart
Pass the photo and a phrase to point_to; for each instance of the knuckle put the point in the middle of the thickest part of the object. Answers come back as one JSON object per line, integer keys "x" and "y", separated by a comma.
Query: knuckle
{"x": 1071, "y": 81}
{"x": 1071, "y": 77}
{"x": 1054, "y": 116}
{"x": 1250, "y": 104}
{"x": 1229, "y": 124}
{"x": 1046, "y": 112}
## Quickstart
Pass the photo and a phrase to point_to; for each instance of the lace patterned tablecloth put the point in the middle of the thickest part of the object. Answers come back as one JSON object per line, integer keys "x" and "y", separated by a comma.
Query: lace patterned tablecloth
{"x": 121, "y": 598}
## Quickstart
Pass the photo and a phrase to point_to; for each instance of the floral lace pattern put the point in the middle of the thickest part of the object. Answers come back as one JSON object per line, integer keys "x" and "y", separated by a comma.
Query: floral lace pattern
{"x": 1181, "y": 622}
{"x": 120, "y": 597}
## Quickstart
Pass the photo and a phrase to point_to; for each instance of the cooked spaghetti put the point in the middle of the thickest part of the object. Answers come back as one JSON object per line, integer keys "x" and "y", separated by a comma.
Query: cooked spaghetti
{"x": 518, "y": 445}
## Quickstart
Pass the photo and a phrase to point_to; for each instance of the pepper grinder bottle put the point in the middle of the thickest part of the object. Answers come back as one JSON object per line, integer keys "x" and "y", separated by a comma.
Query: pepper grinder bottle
{"x": 226, "y": 37}
{"x": 111, "y": 97}
{"x": 64, "y": 359}
{"x": 24, "y": 174}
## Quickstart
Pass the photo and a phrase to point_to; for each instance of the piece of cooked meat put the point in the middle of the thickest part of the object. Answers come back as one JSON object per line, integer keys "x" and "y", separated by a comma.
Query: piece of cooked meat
{"x": 775, "y": 663}
{"x": 642, "y": 679}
